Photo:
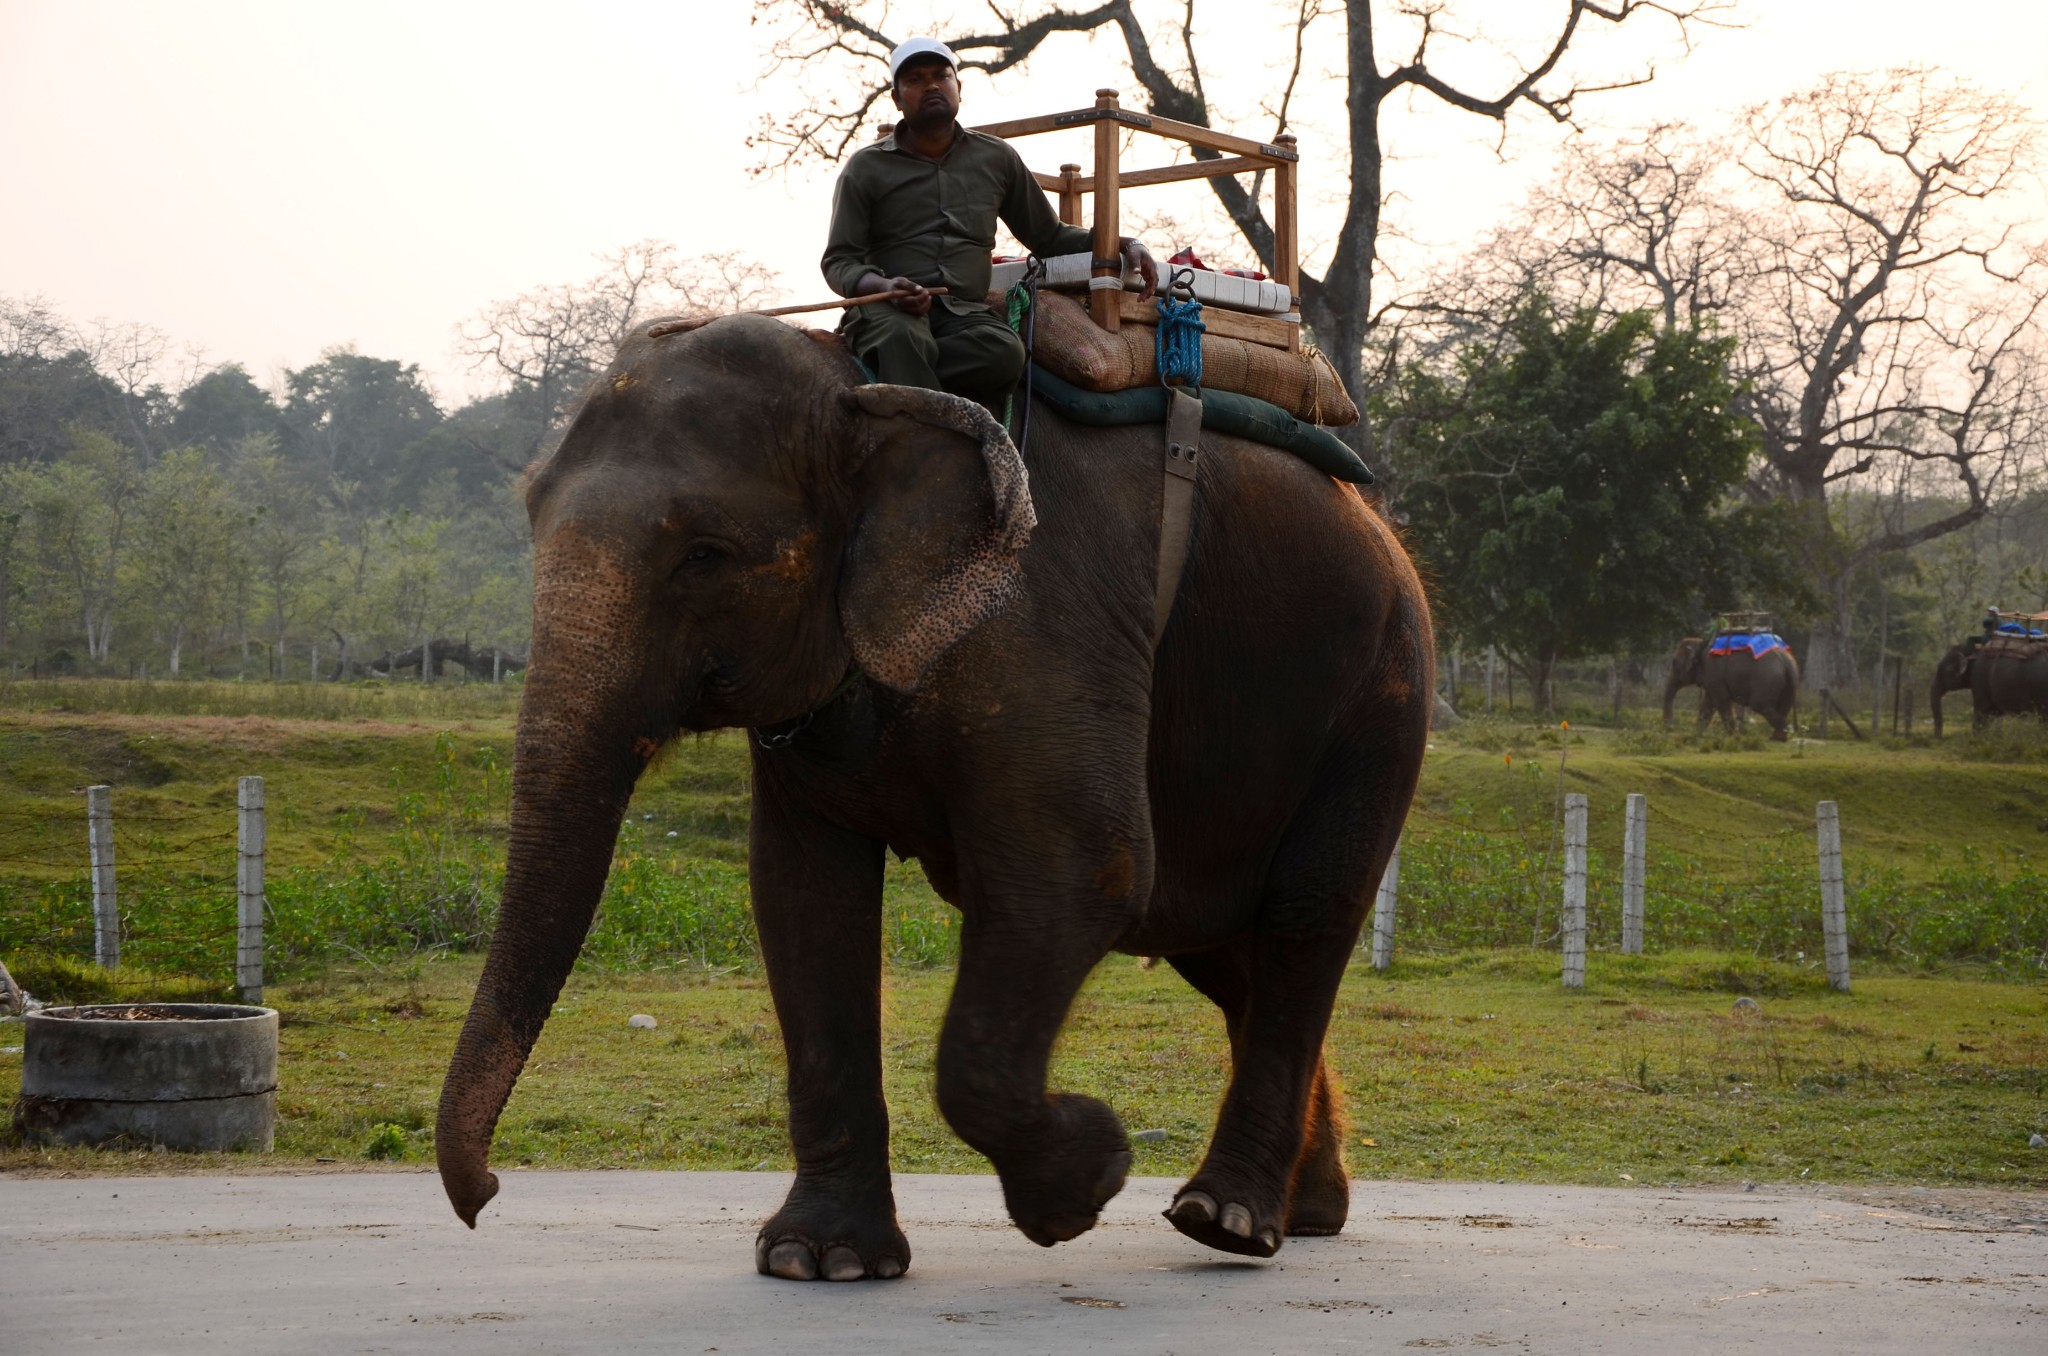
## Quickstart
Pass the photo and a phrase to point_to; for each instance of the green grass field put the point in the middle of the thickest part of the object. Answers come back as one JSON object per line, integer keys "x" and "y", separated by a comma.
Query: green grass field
{"x": 1468, "y": 1060}
{"x": 387, "y": 808}
{"x": 1463, "y": 1066}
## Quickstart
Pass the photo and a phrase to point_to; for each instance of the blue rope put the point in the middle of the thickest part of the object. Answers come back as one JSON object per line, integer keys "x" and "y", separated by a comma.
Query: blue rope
{"x": 1179, "y": 346}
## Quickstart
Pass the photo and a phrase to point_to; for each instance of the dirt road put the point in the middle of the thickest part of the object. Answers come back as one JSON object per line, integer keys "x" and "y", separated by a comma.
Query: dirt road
{"x": 631, "y": 1262}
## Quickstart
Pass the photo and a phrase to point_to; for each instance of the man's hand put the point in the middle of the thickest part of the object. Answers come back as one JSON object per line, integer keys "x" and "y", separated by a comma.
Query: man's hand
{"x": 913, "y": 299}
{"x": 1138, "y": 257}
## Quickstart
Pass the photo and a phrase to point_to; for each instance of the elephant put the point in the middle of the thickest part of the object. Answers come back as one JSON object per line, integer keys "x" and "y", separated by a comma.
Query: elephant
{"x": 946, "y": 649}
{"x": 1767, "y": 685}
{"x": 2004, "y": 678}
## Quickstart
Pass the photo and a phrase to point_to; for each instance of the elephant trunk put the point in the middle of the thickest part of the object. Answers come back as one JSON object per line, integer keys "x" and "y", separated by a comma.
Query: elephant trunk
{"x": 575, "y": 763}
{"x": 1934, "y": 692}
{"x": 1671, "y": 686}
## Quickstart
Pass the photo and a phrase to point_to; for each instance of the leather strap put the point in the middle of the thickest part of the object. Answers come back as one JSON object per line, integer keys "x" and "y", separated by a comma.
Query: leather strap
{"x": 1177, "y": 501}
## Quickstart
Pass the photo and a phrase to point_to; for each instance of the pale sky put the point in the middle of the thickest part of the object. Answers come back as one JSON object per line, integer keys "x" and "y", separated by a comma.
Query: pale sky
{"x": 266, "y": 180}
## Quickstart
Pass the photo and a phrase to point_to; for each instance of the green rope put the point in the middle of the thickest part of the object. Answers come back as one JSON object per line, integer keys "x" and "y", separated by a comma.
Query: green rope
{"x": 1018, "y": 300}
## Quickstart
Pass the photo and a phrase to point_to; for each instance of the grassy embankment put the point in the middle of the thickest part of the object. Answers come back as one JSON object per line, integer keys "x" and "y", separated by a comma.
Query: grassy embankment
{"x": 386, "y": 814}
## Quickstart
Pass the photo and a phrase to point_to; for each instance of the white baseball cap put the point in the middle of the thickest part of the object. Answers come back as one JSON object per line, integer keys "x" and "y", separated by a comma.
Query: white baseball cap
{"x": 917, "y": 47}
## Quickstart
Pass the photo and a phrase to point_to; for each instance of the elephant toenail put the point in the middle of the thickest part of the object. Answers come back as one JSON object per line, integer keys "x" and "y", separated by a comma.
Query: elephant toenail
{"x": 1193, "y": 1207}
{"x": 1236, "y": 1220}
{"x": 1112, "y": 1179}
{"x": 888, "y": 1269}
{"x": 843, "y": 1264}
{"x": 1270, "y": 1241}
{"x": 792, "y": 1262}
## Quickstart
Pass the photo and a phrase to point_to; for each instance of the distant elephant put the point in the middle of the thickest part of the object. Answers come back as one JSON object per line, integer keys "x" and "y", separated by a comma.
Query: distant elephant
{"x": 1767, "y": 684}
{"x": 2004, "y": 678}
{"x": 735, "y": 531}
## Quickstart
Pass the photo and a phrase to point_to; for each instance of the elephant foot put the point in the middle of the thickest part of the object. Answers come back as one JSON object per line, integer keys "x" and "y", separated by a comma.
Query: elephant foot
{"x": 819, "y": 1236}
{"x": 1076, "y": 1167}
{"x": 1321, "y": 1201}
{"x": 1225, "y": 1224}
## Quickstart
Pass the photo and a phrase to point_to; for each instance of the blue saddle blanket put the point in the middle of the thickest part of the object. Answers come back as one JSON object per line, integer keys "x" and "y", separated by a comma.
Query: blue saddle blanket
{"x": 2020, "y": 629}
{"x": 1755, "y": 644}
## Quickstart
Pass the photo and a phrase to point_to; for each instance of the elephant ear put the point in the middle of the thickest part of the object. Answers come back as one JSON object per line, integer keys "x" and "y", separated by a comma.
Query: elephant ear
{"x": 944, "y": 508}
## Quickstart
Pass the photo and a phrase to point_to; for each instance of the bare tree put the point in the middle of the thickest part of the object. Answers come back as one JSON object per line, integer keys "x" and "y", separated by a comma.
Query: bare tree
{"x": 1646, "y": 218}
{"x": 1895, "y": 320}
{"x": 852, "y": 39}
{"x": 130, "y": 355}
{"x": 551, "y": 340}
{"x": 1850, "y": 238}
{"x": 31, "y": 328}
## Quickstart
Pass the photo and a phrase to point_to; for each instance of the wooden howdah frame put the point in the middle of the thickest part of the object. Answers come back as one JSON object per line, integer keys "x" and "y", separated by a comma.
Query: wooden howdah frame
{"x": 1236, "y": 155}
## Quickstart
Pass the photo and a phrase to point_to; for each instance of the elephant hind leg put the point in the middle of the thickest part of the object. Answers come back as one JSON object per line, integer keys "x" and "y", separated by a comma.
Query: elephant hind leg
{"x": 1275, "y": 1164}
{"x": 1319, "y": 1200}
{"x": 1319, "y": 1192}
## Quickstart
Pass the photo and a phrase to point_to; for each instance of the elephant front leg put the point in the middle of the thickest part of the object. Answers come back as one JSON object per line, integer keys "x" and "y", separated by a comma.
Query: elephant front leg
{"x": 1061, "y": 1156}
{"x": 818, "y": 906}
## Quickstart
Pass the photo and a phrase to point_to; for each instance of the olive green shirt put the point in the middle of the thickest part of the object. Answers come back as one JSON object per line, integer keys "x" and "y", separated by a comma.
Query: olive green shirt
{"x": 934, "y": 221}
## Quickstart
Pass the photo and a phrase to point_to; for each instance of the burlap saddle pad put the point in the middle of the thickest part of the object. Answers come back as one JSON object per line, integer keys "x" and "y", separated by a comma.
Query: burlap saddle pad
{"x": 1076, "y": 348}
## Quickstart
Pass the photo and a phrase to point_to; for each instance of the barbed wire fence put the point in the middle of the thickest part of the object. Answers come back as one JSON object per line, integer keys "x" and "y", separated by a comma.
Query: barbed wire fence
{"x": 193, "y": 900}
{"x": 1791, "y": 895}
{"x": 159, "y": 890}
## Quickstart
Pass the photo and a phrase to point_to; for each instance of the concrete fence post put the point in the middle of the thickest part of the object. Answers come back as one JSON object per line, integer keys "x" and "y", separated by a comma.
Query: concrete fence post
{"x": 249, "y": 890}
{"x": 1834, "y": 909}
{"x": 106, "y": 909}
{"x": 1383, "y": 912}
{"x": 1633, "y": 843}
{"x": 1575, "y": 891}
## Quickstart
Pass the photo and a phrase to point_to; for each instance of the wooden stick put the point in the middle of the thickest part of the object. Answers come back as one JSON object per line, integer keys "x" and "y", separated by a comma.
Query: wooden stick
{"x": 1108, "y": 242}
{"x": 1169, "y": 174}
{"x": 666, "y": 328}
{"x": 1187, "y": 132}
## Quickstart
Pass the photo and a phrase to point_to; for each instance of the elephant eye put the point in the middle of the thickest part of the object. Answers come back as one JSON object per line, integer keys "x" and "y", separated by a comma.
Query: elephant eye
{"x": 699, "y": 554}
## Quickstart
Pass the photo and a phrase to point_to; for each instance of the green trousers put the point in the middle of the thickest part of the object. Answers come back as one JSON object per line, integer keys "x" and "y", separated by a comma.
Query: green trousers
{"x": 972, "y": 354}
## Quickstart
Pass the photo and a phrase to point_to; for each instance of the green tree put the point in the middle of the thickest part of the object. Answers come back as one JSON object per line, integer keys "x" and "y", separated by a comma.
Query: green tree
{"x": 353, "y": 417}
{"x": 1570, "y": 495}
{"x": 80, "y": 515}
{"x": 44, "y": 396}
{"x": 188, "y": 552}
{"x": 223, "y": 408}
{"x": 283, "y": 534}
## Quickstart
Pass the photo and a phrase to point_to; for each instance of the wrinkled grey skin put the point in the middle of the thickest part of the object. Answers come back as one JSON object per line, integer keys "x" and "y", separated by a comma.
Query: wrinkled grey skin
{"x": 1768, "y": 686}
{"x": 736, "y": 532}
{"x": 2001, "y": 680}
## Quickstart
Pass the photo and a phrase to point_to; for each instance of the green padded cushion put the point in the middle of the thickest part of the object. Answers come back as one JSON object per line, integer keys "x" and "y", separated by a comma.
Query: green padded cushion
{"x": 1225, "y": 411}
